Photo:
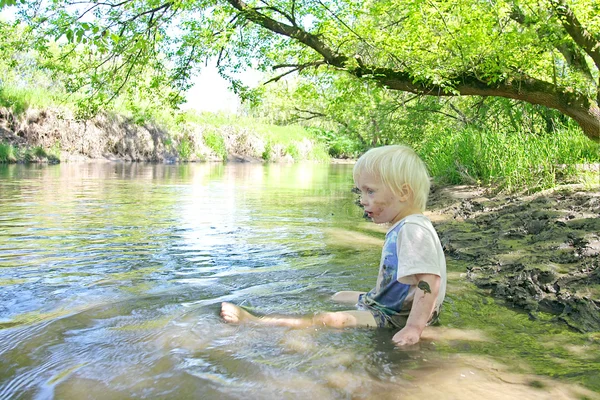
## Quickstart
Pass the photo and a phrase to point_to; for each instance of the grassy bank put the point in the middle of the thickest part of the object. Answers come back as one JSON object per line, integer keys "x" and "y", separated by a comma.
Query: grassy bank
{"x": 512, "y": 162}
{"x": 11, "y": 154}
{"x": 227, "y": 133}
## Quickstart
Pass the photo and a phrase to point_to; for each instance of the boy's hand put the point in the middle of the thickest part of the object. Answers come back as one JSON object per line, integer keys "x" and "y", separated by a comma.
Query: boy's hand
{"x": 407, "y": 336}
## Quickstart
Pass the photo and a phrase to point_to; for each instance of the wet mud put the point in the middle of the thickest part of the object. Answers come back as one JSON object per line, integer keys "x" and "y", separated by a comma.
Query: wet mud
{"x": 539, "y": 253}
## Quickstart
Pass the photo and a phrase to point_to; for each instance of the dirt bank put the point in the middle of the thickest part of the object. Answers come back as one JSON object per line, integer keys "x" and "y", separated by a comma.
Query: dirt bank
{"x": 115, "y": 137}
{"x": 104, "y": 136}
{"x": 540, "y": 253}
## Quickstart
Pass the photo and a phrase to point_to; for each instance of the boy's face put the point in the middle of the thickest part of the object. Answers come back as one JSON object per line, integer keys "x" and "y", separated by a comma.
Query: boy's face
{"x": 380, "y": 203}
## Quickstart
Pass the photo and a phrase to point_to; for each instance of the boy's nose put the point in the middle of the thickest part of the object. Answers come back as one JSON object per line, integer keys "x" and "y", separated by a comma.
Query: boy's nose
{"x": 362, "y": 201}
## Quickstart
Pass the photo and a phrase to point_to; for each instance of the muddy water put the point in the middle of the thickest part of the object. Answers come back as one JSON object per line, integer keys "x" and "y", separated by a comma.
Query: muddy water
{"x": 111, "y": 277}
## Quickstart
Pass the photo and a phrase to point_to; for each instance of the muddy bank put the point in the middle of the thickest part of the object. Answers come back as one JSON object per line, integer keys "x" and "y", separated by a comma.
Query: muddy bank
{"x": 539, "y": 253}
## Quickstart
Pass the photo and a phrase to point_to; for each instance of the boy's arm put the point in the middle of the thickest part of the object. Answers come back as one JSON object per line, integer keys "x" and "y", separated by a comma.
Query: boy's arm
{"x": 422, "y": 307}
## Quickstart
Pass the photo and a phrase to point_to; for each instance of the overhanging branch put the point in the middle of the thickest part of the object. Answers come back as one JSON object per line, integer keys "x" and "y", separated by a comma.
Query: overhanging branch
{"x": 516, "y": 86}
{"x": 294, "y": 32}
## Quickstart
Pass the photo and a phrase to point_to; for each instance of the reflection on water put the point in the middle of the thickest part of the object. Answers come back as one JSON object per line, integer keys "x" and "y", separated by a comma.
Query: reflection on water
{"x": 111, "y": 276}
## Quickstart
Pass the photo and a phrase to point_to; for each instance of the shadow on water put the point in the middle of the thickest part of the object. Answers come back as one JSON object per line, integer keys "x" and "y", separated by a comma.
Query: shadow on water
{"x": 112, "y": 276}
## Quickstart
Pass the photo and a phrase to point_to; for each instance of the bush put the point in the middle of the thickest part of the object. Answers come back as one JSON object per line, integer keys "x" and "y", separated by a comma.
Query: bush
{"x": 292, "y": 151}
{"x": 338, "y": 145}
{"x": 53, "y": 153}
{"x": 7, "y": 153}
{"x": 266, "y": 155}
{"x": 343, "y": 147}
{"x": 216, "y": 143}
{"x": 39, "y": 152}
{"x": 184, "y": 148}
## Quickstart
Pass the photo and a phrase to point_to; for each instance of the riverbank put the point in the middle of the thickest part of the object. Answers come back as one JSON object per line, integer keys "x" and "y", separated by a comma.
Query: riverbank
{"x": 539, "y": 253}
{"x": 55, "y": 135}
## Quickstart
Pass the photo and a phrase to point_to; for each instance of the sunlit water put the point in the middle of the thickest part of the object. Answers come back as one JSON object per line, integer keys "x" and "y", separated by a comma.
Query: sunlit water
{"x": 111, "y": 277}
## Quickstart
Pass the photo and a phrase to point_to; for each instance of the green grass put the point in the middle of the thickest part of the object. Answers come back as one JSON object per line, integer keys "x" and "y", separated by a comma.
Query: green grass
{"x": 216, "y": 143}
{"x": 510, "y": 162}
{"x": 11, "y": 154}
{"x": 19, "y": 99}
{"x": 184, "y": 149}
{"x": 7, "y": 153}
{"x": 288, "y": 137}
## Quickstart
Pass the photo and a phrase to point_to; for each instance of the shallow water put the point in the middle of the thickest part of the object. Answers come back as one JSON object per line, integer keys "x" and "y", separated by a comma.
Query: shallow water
{"x": 111, "y": 276}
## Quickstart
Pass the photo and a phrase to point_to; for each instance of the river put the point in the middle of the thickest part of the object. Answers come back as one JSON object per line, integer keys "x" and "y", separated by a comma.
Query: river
{"x": 112, "y": 274}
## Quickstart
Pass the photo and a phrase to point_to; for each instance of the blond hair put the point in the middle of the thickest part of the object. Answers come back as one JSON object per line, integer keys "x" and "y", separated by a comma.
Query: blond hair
{"x": 397, "y": 166}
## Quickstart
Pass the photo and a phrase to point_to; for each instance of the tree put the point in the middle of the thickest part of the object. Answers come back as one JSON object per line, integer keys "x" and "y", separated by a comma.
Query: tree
{"x": 544, "y": 52}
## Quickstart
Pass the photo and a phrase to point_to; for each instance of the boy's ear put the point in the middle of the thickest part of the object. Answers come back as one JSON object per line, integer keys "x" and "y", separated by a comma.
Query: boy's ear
{"x": 405, "y": 192}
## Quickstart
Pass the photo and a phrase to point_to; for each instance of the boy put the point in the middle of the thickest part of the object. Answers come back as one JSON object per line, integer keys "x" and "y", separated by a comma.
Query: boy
{"x": 394, "y": 185}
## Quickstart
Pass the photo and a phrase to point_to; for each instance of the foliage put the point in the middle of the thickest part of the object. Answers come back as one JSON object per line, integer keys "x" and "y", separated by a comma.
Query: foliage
{"x": 339, "y": 145}
{"x": 7, "y": 153}
{"x": 216, "y": 143}
{"x": 184, "y": 148}
{"x": 11, "y": 154}
{"x": 53, "y": 153}
{"x": 20, "y": 99}
{"x": 292, "y": 151}
{"x": 38, "y": 151}
{"x": 357, "y": 110}
{"x": 38, "y": 73}
{"x": 369, "y": 73}
{"x": 266, "y": 155}
{"x": 491, "y": 141}
{"x": 542, "y": 52}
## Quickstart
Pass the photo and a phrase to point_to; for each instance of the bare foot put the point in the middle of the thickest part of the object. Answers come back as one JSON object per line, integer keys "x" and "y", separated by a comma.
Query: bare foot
{"x": 234, "y": 314}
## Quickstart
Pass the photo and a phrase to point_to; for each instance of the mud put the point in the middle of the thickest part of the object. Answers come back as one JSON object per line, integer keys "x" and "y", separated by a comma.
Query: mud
{"x": 538, "y": 253}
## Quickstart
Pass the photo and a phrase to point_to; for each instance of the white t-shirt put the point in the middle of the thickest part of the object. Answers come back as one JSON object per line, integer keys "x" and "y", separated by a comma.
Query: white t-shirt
{"x": 411, "y": 247}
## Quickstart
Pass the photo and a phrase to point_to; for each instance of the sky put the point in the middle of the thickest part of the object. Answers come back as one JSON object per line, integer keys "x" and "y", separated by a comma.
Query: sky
{"x": 211, "y": 92}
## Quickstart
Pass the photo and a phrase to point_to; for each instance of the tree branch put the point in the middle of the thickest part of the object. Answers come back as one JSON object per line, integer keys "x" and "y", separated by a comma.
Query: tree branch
{"x": 312, "y": 114}
{"x": 334, "y": 15}
{"x": 294, "y": 67}
{"x": 128, "y": 74}
{"x": 294, "y": 32}
{"x": 152, "y": 11}
{"x": 515, "y": 86}
{"x": 580, "y": 35}
{"x": 277, "y": 10}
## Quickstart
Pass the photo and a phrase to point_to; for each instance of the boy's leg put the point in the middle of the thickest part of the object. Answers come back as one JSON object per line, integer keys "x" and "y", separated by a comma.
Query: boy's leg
{"x": 347, "y": 297}
{"x": 340, "y": 319}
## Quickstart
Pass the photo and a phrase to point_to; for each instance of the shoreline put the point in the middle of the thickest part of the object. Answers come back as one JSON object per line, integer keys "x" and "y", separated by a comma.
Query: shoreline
{"x": 538, "y": 253}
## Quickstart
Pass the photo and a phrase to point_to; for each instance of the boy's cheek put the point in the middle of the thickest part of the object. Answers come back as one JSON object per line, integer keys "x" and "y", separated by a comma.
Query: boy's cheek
{"x": 379, "y": 205}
